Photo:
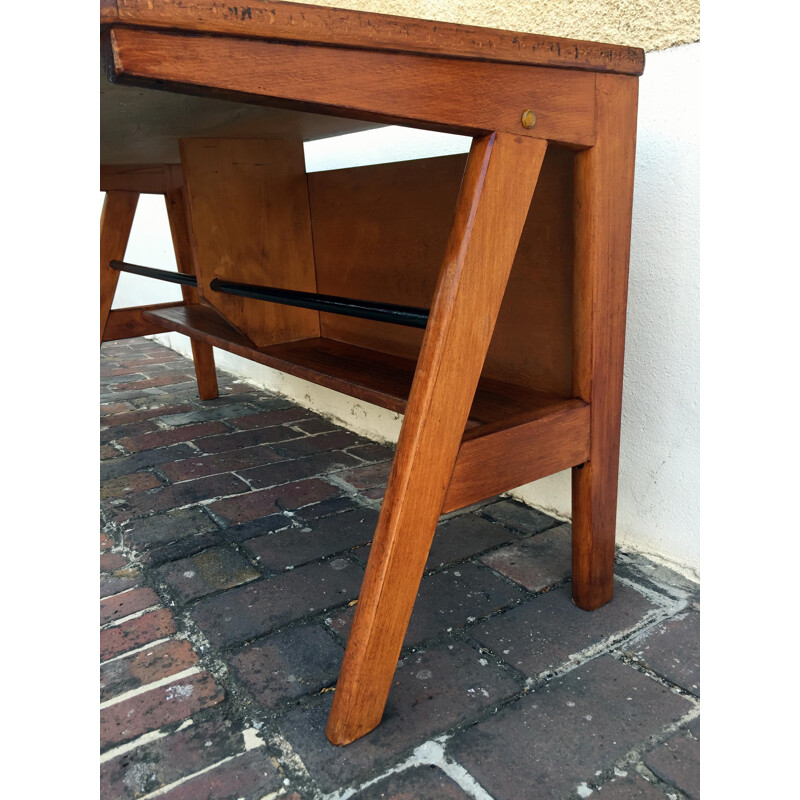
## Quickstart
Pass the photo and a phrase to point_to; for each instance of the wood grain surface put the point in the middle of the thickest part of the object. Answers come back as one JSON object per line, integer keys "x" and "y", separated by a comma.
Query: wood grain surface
{"x": 370, "y": 375}
{"x": 141, "y": 178}
{"x": 603, "y": 207}
{"x": 116, "y": 220}
{"x": 498, "y": 457}
{"x": 249, "y": 208}
{"x": 380, "y": 233}
{"x": 185, "y": 248}
{"x": 451, "y": 95}
{"x": 493, "y": 204}
{"x": 128, "y": 323}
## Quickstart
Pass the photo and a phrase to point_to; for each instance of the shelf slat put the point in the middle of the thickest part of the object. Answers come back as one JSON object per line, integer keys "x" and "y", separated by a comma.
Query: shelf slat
{"x": 375, "y": 377}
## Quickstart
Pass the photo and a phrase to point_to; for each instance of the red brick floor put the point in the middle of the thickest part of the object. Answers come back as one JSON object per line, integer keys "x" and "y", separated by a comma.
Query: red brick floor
{"x": 233, "y": 542}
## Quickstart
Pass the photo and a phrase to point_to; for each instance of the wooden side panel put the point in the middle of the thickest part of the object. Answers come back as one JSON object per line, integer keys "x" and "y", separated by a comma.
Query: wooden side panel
{"x": 532, "y": 342}
{"x": 380, "y": 233}
{"x": 249, "y": 207}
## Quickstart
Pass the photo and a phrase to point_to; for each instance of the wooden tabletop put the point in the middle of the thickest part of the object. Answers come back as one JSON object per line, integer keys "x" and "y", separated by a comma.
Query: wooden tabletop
{"x": 308, "y": 24}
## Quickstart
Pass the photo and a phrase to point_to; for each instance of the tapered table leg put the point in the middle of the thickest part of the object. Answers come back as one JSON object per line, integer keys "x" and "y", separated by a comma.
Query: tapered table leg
{"x": 603, "y": 203}
{"x": 116, "y": 220}
{"x": 179, "y": 223}
{"x": 496, "y": 191}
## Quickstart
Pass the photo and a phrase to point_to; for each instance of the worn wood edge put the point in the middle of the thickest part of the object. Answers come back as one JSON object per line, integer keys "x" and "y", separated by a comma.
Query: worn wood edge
{"x": 499, "y": 457}
{"x": 292, "y": 22}
{"x": 128, "y": 323}
{"x": 108, "y": 12}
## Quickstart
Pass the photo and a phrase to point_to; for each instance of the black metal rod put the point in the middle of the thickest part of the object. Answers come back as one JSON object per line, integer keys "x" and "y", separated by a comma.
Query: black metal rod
{"x": 150, "y": 272}
{"x": 365, "y": 309}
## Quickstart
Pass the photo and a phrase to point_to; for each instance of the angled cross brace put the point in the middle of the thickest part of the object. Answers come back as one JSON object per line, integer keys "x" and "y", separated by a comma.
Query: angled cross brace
{"x": 496, "y": 192}
{"x": 116, "y": 220}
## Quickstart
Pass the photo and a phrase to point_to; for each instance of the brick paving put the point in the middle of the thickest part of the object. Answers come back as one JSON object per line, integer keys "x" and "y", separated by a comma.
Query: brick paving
{"x": 234, "y": 534}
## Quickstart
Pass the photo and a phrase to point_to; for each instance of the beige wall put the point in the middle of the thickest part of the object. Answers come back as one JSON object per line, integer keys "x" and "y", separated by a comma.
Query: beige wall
{"x": 651, "y": 24}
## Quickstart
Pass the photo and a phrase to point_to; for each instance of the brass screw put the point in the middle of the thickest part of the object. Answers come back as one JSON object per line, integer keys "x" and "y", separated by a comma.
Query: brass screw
{"x": 528, "y": 118}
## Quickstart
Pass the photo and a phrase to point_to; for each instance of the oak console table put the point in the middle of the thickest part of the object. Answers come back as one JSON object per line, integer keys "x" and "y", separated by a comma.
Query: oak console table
{"x": 482, "y": 296}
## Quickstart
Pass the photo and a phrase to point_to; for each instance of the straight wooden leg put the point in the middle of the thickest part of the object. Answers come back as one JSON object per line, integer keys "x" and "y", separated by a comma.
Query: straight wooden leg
{"x": 603, "y": 201}
{"x": 204, "y": 368}
{"x": 493, "y": 203}
{"x": 116, "y": 220}
{"x": 179, "y": 224}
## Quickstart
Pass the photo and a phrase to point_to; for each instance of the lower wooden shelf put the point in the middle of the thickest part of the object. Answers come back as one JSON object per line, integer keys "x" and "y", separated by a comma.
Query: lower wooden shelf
{"x": 515, "y": 435}
{"x": 369, "y": 375}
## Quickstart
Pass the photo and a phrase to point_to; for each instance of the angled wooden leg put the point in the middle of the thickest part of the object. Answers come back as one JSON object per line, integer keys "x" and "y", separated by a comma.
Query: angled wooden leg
{"x": 179, "y": 224}
{"x": 603, "y": 201}
{"x": 115, "y": 228}
{"x": 493, "y": 203}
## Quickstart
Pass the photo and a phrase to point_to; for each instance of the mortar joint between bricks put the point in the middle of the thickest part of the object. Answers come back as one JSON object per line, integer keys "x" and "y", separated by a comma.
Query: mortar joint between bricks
{"x": 154, "y": 470}
{"x": 673, "y": 585}
{"x": 491, "y": 656}
{"x": 606, "y": 646}
{"x": 670, "y": 792}
{"x": 318, "y": 618}
{"x": 291, "y": 764}
{"x": 632, "y": 759}
{"x": 528, "y": 594}
{"x": 250, "y": 558}
{"x": 644, "y": 669}
{"x": 670, "y": 603}
{"x": 238, "y": 699}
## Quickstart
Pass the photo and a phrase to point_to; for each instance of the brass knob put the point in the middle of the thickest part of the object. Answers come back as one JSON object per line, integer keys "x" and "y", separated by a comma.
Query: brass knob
{"x": 528, "y": 118}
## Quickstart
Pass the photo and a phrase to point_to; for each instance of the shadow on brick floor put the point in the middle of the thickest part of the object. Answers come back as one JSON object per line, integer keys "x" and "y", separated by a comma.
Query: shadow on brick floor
{"x": 234, "y": 538}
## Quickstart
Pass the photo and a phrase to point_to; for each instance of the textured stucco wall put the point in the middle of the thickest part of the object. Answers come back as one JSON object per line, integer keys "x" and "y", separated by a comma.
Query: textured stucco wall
{"x": 658, "y": 511}
{"x": 650, "y": 24}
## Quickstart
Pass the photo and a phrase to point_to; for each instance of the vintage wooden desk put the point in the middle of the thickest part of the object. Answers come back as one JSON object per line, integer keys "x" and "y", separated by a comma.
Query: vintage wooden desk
{"x": 483, "y": 297}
